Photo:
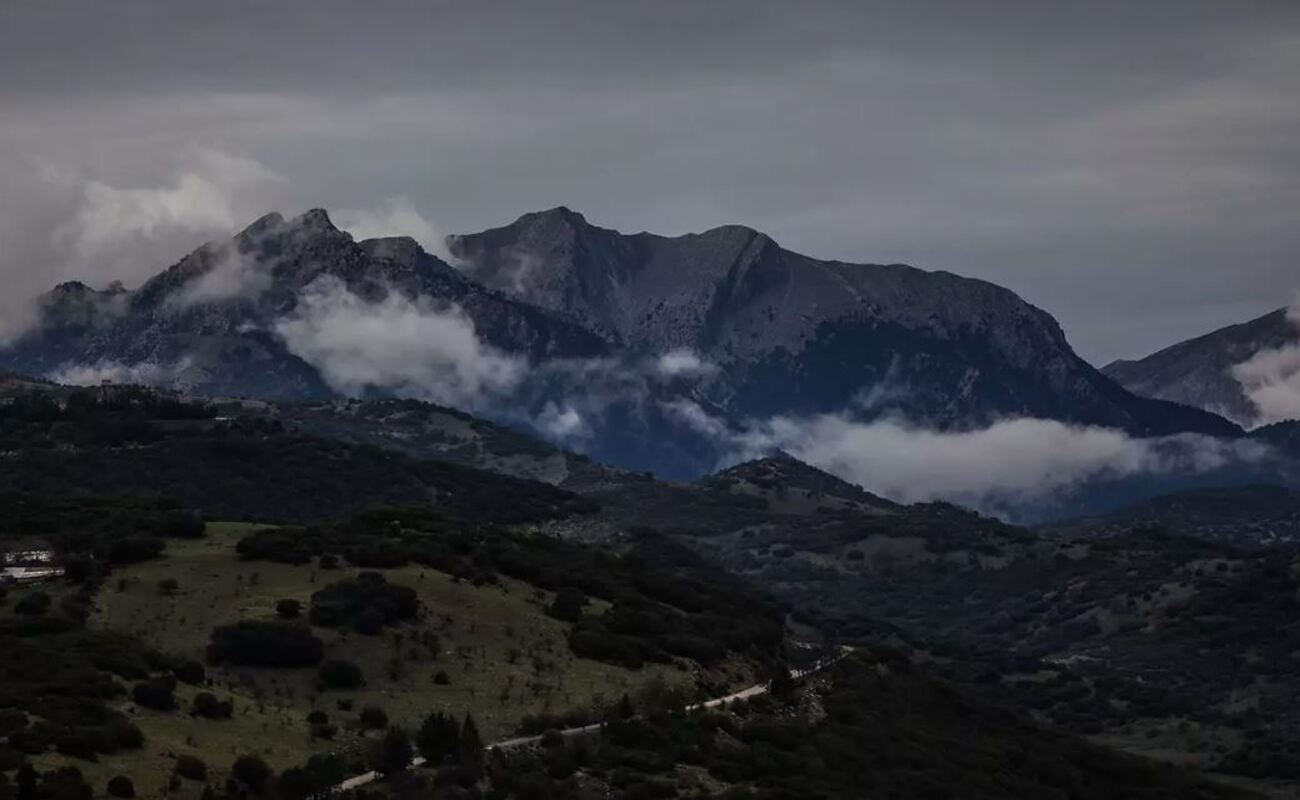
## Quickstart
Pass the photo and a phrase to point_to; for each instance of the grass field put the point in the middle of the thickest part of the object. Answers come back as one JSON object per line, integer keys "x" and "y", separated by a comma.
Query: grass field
{"x": 505, "y": 658}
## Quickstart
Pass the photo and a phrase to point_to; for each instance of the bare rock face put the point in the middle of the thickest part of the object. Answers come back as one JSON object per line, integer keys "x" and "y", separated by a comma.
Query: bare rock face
{"x": 756, "y": 331}
{"x": 1198, "y": 372}
{"x": 794, "y": 334}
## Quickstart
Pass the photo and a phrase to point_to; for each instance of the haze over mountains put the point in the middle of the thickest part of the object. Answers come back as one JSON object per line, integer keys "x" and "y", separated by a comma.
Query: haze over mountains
{"x": 669, "y": 354}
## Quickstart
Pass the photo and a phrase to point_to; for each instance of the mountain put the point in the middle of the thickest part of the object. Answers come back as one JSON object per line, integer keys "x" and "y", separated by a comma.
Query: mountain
{"x": 1198, "y": 372}
{"x": 207, "y": 323}
{"x": 645, "y": 352}
{"x": 794, "y": 334}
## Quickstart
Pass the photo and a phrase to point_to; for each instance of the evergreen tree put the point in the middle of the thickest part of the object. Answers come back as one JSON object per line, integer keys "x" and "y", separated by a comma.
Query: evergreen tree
{"x": 26, "y": 780}
{"x": 625, "y": 710}
{"x": 782, "y": 685}
{"x": 438, "y": 738}
{"x": 393, "y": 754}
{"x": 471, "y": 744}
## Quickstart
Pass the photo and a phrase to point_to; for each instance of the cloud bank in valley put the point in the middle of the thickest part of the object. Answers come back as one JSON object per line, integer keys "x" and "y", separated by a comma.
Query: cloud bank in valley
{"x": 1009, "y": 464}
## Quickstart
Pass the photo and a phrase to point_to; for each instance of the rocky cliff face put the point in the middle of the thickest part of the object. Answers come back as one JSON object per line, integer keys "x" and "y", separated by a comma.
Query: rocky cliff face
{"x": 793, "y": 334}
{"x": 1199, "y": 372}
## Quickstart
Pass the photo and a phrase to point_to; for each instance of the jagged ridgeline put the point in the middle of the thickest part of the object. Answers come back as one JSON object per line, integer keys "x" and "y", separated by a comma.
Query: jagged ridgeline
{"x": 623, "y": 343}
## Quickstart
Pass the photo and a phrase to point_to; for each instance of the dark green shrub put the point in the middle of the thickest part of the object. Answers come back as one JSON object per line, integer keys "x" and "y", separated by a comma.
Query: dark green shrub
{"x": 191, "y": 767}
{"x": 256, "y": 643}
{"x": 155, "y": 693}
{"x": 121, "y": 786}
{"x": 339, "y": 674}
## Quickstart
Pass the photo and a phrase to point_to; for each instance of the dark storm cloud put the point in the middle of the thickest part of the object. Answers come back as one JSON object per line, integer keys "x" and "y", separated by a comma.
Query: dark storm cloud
{"x": 1131, "y": 167}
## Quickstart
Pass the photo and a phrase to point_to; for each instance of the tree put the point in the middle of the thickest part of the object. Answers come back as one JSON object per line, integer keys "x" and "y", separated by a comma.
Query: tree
{"x": 121, "y": 786}
{"x": 259, "y": 643}
{"x": 438, "y": 738}
{"x": 155, "y": 693}
{"x": 288, "y": 608}
{"x": 321, "y": 773}
{"x": 782, "y": 685}
{"x": 625, "y": 710}
{"x": 182, "y": 525}
{"x": 33, "y": 604}
{"x": 208, "y": 706}
{"x": 471, "y": 744}
{"x": 191, "y": 767}
{"x": 250, "y": 774}
{"x": 374, "y": 717}
{"x": 339, "y": 674}
{"x": 393, "y": 753}
{"x": 26, "y": 781}
{"x": 568, "y": 604}
{"x": 191, "y": 672}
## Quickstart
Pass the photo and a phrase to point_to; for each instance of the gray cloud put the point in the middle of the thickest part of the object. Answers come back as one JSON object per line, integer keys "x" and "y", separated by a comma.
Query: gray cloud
{"x": 60, "y": 223}
{"x": 396, "y": 344}
{"x": 1271, "y": 378}
{"x": 1009, "y": 466}
{"x": 395, "y": 216}
{"x": 1110, "y": 161}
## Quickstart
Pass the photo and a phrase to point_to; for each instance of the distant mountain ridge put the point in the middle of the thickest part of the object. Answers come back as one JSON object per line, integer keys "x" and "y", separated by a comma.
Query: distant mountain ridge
{"x": 1198, "y": 372}
{"x": 725, "y": 324}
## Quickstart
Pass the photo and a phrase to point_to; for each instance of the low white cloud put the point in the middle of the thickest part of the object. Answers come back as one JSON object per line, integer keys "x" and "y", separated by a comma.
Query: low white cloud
{"x": 1010, "y": 464}
{"x": 231, "y": 274}
{"x": 60, "y": 222}
{"x": 202, "y": 196}
{"x": 562, "y": 423}
{"x": 683, "y": 363}
{"x": 396, "y": 344}
{"x": 101, "y": 372}
{"x": 395, "y": 216}
{"x": 1271, "y": 378}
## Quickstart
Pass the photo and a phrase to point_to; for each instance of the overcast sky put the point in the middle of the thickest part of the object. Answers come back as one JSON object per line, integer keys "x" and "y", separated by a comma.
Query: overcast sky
{"x": 1132, "y": 167}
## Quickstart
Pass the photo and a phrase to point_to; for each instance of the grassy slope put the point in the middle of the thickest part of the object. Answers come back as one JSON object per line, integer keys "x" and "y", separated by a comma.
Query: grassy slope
{"x": 477, "y": 630}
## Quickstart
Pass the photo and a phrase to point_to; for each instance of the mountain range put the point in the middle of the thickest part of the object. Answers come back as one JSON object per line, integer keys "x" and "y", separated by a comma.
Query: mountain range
{"x": 645, "y": 351}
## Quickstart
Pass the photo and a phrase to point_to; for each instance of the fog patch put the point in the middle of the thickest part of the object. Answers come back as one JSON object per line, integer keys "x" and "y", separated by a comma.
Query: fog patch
{"x": 396, "y": 216}
{"x": 62, "y": 222}
{"x": 1011, "y": 464}
{"x": 407, "y": 347}
{"x": 1271, "y": 378}
{"x": 562, "y": 423}
{"x": 683, "y": 362}
{"x": 113, "y": 372}
{"x": 232, "y": 274}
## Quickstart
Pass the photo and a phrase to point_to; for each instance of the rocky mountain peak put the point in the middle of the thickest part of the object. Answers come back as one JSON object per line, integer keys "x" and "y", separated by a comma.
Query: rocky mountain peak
{"x": 263, "y": 225}
{"x": 316, "y": 219}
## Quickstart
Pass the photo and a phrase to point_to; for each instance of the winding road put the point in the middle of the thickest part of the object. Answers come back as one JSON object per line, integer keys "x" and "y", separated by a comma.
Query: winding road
{"x": 523, "y": 741}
